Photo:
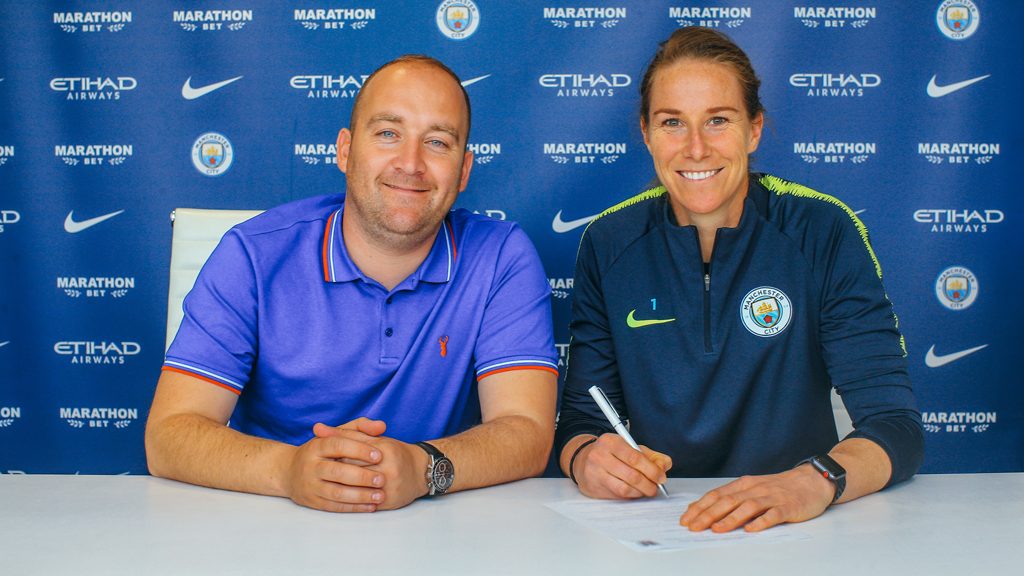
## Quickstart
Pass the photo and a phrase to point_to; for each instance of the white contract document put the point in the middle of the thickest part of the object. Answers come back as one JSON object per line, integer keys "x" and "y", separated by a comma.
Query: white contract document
{"x": 653, "y": 523}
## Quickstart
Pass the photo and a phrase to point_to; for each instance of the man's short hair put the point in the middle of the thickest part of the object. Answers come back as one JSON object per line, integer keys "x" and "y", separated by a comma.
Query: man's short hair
{"x": 416, "y": 59}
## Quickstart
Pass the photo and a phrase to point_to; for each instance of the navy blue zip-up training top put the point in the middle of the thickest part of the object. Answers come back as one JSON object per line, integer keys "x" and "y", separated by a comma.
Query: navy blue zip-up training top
{"x": 729, "y": 372}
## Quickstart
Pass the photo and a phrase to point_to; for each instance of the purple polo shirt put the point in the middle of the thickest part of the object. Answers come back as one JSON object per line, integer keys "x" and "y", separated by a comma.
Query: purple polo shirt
{"x": 282, "y": 316}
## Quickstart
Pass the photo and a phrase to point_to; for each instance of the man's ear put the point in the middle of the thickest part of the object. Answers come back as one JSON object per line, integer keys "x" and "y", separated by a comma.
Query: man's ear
{"x": 343, "y": 146}
{"x": 467, "y": 165}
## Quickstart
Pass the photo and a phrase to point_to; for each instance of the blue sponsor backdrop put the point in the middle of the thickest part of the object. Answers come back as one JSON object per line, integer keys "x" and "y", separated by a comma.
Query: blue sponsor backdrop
{"x": 908, "y": 112}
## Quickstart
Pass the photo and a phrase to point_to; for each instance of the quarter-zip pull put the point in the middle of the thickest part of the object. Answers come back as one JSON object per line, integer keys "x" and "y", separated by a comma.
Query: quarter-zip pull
{"x": 708, "y": 349}
{"x": 707, "y": 282}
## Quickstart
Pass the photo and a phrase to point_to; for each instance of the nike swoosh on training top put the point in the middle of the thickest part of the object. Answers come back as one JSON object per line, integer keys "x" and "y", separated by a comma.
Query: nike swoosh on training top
{"x": 933, "y": 360}
{"x": 474, "y": 80}
{"x": 936, "y": 91}
{"x": 634, "y": 323}
{"x": 72, "y": 227}
{"x": 190, "y": 93}
{"x": 561, "y": 227}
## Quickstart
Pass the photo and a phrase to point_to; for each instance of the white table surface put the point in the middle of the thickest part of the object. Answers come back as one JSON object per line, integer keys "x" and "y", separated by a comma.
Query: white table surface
{"x": 138, "y": 525}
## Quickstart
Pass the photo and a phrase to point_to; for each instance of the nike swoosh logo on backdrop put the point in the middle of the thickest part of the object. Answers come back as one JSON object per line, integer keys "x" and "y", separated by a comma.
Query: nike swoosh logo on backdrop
{"x": 933, "y": 360}
{"x": 936, "y": 91}
{"x": 72, "y": 227}
{"x": 634, "y": 323}
{"x": 561, "y": 227}
{"x": 2, "y": 344}
{"x": 474, "y": 80}
{"x": 190, "y": 93}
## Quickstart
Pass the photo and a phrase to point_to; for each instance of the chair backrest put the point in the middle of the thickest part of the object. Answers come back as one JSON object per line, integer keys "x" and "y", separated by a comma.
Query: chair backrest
{"x": 843, "y": 423}
{"x": 195, "y": 233}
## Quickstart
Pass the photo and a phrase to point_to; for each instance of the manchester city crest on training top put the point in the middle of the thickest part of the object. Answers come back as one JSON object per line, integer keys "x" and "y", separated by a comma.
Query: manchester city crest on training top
{"x": 958, "y": 19}
{"x": 766, "y": 311}
{"x": 956, "y": 288}
{"x": 212, "y": 154}
{"x": 458, "y": 19}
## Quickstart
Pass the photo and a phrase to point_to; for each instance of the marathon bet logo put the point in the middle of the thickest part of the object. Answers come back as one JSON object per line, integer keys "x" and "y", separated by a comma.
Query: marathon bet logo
{"x": 93, "y": 154}
{"x": 958, "y": 422}
{"x": 72, "y": 22}
{"x": 6, "y": 153}
{"x": 584, "y": 85}
{"x": 829, "y": 85}
{"x": 584, "y": 152}
{"x": 193, "y": 20}
{"x": 99, "y": 88}
{"x": 560, "y": 287}
{"x": 8, "y": 217}
{"x": 315, "y": 154}
{"x": 91, "y": 352}
{"x": 834, "y": 16}
{"x": 585, "y": 17}
{"x": 835, "y": 152}
{"x": 119, "y": 418}
{"x": 714, "y": 17}
{"x": 95, "y": 286}
{"x": 958, "y": 221}
{"x": 335, "y": 18}
{"x": 9, "y": 415}
{"x": 958, "y": 152}
{"x": 484, "y": 153}
{"x": 328, "y": 86}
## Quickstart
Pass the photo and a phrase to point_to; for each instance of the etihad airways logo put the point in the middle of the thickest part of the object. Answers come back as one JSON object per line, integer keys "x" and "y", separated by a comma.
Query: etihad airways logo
{"x": 584, "y": 85}
{"x": 96, "y": 21}
{"x": 97, "y": 352}
{"x": 6, "y": 153}
{"x": 714, "y": 17}
{"x": 335, "y": 18}
{"x": 944, "y": 220}
{"x": 563, "y": 354}
{"x": 9, "y": 415}
{"x": 189, "y": 92}
{"x": 584, "y": 152}
{"x": 95, "y": 286}
{"x": 976, "y": 422}
{"x": 8, "y": 217}
{"x": 585, "y": 16}
{"x": 958, "y": 152}
{"x": 93, "y": 154}
{"x": 328, "y": 86}
{"x": 483, "y": 152}
{"x": 98, "y": 88}
{"x": 835, "y": 152}
{"x": 315, "y": 154}
{"x": 834, "y": 17}
{"x": 839, "y": 85}
{"x": 81, "y": 417}
{"x": 71, "y": 226}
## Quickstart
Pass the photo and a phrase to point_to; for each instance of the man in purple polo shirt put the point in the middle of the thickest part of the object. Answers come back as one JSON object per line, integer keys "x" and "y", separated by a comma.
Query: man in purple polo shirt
{"x": 319, "y": 324}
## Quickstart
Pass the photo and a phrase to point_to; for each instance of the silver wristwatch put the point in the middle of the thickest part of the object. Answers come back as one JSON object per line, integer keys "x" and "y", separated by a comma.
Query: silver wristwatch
{"x": 440, "y": 471}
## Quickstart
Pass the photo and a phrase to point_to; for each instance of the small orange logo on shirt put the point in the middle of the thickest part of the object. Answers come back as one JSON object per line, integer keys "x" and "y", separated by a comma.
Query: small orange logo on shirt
{"x": 443, "y": 341}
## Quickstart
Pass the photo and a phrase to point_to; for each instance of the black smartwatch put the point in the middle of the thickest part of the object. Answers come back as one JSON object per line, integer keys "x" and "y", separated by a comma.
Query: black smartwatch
{"x": 440, "y": 471}
{"x": 830, "y": 470}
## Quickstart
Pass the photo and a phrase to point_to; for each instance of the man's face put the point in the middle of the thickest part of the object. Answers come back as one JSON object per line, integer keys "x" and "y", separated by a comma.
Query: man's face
{"x": 404, "y": 157}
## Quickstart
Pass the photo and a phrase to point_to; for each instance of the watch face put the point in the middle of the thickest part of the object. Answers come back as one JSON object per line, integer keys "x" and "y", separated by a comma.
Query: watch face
{"x": 443, "y": 475}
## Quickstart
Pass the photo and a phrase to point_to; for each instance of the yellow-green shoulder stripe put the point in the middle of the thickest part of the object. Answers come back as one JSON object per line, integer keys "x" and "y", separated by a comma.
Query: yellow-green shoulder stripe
{"x": 645, "y": 195}
{"x": 780, "y": 186}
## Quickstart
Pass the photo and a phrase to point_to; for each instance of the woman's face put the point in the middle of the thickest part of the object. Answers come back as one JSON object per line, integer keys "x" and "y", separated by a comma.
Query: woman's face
{"x": 700, "y": 136}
